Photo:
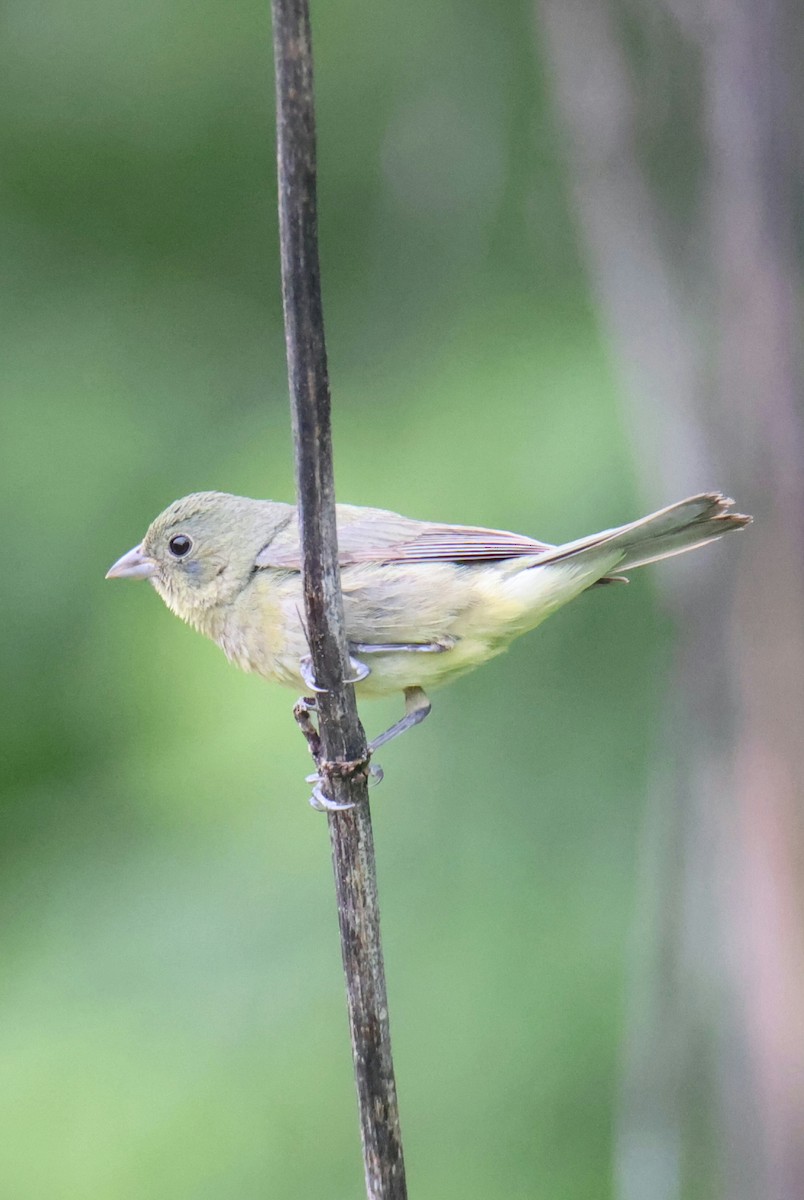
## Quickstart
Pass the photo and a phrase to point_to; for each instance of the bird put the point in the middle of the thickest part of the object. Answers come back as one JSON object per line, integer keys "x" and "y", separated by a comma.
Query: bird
{"x": 423, "y": 602}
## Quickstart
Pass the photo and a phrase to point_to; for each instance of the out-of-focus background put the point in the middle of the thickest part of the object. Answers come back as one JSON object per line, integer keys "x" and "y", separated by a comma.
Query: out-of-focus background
{"x": 561, "y": 266}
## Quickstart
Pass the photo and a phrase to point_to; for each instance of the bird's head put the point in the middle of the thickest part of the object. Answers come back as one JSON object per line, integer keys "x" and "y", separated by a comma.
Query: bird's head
{"x": 201, "y": 551}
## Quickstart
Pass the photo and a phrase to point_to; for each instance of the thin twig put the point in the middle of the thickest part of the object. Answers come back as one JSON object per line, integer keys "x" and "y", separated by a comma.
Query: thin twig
{"x": 342, "y": 757}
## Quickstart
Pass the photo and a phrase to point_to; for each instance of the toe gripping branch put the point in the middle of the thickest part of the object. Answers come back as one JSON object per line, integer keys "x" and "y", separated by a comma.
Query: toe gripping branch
{"x": 417, "y": 706}
{"x": 328, "y": 769}
{"x": 306, "y": 671}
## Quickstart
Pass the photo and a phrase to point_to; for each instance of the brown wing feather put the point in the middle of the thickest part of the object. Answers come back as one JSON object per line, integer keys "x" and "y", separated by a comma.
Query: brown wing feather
{"x": 373, "y": 535}
{"x": 441, "y": 543}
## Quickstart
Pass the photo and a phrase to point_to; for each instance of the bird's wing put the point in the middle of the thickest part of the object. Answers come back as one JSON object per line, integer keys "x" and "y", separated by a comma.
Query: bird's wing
{"x": 377, "y": 536}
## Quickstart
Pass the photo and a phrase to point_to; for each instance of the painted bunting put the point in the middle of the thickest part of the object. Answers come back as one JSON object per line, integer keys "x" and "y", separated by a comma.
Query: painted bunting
{"x": 423, "y": 602}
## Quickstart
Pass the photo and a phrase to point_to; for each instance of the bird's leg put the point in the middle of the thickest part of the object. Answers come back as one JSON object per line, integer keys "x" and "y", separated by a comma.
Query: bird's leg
{"x": 361, "y": 670}
{"x": 417, "y": 706}
{"x": 410, "y": 647}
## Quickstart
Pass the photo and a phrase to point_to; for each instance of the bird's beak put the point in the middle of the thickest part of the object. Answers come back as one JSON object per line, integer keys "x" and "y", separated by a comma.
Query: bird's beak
{"x": 133, "y": 565}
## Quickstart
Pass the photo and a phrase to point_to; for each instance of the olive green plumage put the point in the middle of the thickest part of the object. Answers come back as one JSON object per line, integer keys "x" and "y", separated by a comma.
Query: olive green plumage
{"x": 423, "y": 602}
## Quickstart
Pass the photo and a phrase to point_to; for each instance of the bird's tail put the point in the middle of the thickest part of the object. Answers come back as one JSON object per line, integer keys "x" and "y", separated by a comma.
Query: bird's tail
{"x": 669, "y": 531}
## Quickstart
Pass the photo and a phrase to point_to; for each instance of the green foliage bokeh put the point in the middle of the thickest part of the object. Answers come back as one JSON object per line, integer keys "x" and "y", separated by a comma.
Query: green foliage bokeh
{"x": 171, "y": 1005}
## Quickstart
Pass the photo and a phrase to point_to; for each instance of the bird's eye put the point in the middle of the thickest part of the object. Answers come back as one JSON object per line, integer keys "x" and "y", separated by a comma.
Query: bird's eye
{"x": 180, "y": 545}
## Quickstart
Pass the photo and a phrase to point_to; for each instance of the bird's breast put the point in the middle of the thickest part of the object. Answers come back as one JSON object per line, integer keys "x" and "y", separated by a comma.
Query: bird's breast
{"x": 263, "y": 631}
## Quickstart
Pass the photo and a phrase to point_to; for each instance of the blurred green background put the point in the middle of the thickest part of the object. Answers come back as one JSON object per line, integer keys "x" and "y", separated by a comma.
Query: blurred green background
{"x": 171, "y": 1005}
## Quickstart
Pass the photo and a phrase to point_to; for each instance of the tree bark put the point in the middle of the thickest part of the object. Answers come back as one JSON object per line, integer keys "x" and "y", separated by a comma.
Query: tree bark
{"x": 339, "y": 745}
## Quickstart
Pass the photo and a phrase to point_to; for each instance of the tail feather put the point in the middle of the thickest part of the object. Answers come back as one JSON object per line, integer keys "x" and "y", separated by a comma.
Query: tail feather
{"x": 662, "y": 534}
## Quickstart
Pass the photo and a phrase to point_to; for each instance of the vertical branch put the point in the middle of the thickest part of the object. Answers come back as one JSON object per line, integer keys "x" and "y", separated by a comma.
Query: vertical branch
{"x": 749, "y": 59}
{"x": 736, "y": 965}
{"x": 645, "y": 311}
{"x": 342, "y": 756}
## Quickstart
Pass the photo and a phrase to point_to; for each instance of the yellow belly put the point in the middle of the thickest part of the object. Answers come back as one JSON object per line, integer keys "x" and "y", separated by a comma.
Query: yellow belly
{"x": 477, "y": 610}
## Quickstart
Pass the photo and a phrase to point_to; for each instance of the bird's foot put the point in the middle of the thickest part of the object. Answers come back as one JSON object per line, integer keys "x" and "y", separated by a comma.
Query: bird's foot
{"x": 359, "y": 669}
{"x": 320, "y": 801}
{"x": 303, "y": 711}
{"x": 306, "y": 672}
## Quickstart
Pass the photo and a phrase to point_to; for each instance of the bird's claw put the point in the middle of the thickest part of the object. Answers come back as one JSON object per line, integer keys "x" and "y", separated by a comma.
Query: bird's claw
{"x": 302, "y": 711}
{"x": 360, "y": 671}
{"x": 306, "y": 672}
{"x": 322, "y": 803}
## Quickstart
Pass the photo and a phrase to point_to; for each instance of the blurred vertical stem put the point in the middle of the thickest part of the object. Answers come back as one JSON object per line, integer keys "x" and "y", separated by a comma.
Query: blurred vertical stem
{"x": 342, "y": 756}
{"x": 721, "y": 952}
